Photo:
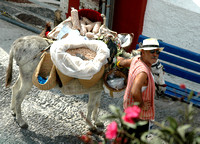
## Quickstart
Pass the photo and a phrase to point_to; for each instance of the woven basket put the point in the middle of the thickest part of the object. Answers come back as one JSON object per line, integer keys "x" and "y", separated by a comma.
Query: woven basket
{"x": 113, "y": 91}
{"x": 96, "y": 77}
{"x": 45, "y": 68}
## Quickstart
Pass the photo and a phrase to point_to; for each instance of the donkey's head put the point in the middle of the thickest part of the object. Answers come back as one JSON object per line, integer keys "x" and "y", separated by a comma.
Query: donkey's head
{"x": 158, "y": 73}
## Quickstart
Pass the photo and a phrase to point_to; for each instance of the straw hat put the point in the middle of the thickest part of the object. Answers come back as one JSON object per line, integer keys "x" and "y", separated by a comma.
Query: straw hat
{"x": 150, "y": 44}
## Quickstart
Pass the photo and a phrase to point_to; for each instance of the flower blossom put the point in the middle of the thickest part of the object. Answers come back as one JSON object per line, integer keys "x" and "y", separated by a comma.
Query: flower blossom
{"x": 128, "y": 119}
{"x": 111, "y": 131}
{"x": 131, "y": 113}
{"x": 182, "y": 86}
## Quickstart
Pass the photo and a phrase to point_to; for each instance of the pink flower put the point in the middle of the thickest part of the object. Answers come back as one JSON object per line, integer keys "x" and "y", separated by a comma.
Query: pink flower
{"x": 111, "y": 131}
{"x": 182, "y": 86}
{"x": 132, "y": 112}
{"x": 127, "y": 119}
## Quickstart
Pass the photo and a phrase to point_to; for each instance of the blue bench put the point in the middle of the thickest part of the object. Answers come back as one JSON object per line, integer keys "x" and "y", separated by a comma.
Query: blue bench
{"x": 173, "y": 58}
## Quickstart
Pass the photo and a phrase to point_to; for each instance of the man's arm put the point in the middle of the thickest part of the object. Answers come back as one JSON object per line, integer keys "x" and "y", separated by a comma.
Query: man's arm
{"x": 136, "y": 90}
{"x": 122, "y": 62}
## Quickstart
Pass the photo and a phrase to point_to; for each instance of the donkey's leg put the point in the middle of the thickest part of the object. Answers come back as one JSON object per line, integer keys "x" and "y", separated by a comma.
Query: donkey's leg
{"x": 96, "y": 110}
{"x": 26, "y": 84}
{"x": 15, "y": 90}
{"x": 93, "y": 105}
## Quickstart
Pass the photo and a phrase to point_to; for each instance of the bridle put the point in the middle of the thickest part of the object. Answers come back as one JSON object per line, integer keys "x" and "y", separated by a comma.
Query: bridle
{"x": 158, "y": 65}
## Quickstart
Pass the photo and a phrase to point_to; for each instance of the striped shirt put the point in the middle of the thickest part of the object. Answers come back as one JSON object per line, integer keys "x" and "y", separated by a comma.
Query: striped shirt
{"x": 148, "y": 110}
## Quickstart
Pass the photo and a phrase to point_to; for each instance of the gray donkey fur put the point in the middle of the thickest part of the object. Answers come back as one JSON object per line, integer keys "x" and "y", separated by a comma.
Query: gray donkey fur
{"x": 26, "y": 52}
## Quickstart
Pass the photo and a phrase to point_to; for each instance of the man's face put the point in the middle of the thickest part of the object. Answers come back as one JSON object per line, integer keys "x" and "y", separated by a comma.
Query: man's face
{"x": 151, "y": 56}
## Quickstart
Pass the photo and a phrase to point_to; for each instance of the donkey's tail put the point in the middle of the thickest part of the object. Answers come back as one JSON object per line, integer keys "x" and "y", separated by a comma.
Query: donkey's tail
{"x": 9, "y": 69}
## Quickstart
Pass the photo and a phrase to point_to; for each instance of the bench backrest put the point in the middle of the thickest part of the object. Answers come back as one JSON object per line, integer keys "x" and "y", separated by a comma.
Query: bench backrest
{"x": 179, "y": 61}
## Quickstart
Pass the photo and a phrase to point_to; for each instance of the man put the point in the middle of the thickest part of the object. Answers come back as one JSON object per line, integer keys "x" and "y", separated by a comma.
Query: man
{"x": 140, "y": 86}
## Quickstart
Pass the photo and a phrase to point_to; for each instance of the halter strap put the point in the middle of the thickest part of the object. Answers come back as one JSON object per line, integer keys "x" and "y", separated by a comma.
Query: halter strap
{"x": 156, "y": 65}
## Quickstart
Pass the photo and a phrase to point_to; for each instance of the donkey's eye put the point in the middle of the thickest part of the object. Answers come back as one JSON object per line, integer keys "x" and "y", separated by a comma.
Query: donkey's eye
{"x": 157, "y": 74}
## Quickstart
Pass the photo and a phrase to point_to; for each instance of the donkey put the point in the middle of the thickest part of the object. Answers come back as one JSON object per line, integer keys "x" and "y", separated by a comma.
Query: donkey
{"x": 26, "y": 51}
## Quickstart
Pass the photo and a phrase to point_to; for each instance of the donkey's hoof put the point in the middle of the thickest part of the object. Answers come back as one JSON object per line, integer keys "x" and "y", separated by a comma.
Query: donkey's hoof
{"x": 13, "y": 114}
{"x": 23, "y": 125}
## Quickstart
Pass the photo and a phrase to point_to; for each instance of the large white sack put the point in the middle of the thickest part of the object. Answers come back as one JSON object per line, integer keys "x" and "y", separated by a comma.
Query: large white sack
{"x": 74, "y": 66}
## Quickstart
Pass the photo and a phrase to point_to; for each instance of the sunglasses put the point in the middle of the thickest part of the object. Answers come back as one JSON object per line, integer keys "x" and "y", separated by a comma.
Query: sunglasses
{"x": 153, "y": 51}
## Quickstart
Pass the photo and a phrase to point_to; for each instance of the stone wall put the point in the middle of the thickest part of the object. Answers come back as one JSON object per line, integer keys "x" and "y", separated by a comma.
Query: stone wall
{"x": 173, "y": 24}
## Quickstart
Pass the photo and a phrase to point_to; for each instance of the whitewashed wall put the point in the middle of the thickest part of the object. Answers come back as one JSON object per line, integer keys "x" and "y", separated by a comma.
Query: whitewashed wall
{"x": 174, "y": 21}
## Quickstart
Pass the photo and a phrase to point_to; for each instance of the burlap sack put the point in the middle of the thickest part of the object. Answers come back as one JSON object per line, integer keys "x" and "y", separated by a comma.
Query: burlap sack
{"x": 64, "y": 78}
{"x": 94, "y": 80}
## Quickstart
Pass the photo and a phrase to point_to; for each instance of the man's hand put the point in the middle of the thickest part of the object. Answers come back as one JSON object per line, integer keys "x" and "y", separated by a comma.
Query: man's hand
{"x": 122, "y": 62}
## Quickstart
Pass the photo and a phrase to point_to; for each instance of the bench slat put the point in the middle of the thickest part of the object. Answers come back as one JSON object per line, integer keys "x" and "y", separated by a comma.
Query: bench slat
{"x": 180, "y": 52}
{"x": 171, "y": 94}
{"x": 178, "y": 61}
{"x": 175, "y": 50}
{"x": 177, "y": 87}
{"x": 174, "y": 90}
{"x": 181, "y": 73}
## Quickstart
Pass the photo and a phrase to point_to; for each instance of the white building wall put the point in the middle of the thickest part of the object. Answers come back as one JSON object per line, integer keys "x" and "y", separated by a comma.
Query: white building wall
{"x": 176, "y": 22}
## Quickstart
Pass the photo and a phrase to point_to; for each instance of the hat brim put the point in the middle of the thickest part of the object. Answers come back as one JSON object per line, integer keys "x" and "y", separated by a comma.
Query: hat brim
{"x": 151, "y": 48}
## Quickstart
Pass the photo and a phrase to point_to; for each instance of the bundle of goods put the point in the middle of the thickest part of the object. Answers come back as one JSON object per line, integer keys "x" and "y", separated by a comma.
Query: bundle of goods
{"x": 87, "y": 22}
{"x": 79, "y": 59}
{"x": 115, "y": 83}
{"x": 80, "y": 50}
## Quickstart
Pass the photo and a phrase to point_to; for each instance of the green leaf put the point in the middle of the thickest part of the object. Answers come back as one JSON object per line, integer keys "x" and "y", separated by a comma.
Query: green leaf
{"x": 130, "y": 125}
{"x": 113, "y": 109}
{"x": 135, "y": 141}
{"x": 197, "y": 130}
{"x": 141, "y": 123}
{"x": 168, "y": 130}
{"x": 198, "y": 139}
{"x": 173, "y": 123}
{"x": 190, "y": 95}
{"x": 182, "y": 130}
{"x": 190, "y": 108}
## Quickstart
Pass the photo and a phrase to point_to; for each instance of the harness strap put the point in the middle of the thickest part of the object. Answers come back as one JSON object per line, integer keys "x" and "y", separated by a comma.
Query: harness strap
{"x": 156, "y": 65}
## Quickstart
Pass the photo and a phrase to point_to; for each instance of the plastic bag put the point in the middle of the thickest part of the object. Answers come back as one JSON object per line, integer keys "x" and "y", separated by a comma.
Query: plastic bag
{"x": 125, "y": 40}
{"x": 116, "y": 83}
{"x": 74, "y": 66}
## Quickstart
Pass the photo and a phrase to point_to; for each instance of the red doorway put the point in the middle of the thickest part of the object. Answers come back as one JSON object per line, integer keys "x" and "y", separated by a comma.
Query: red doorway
{"x": 129, "y": 17}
